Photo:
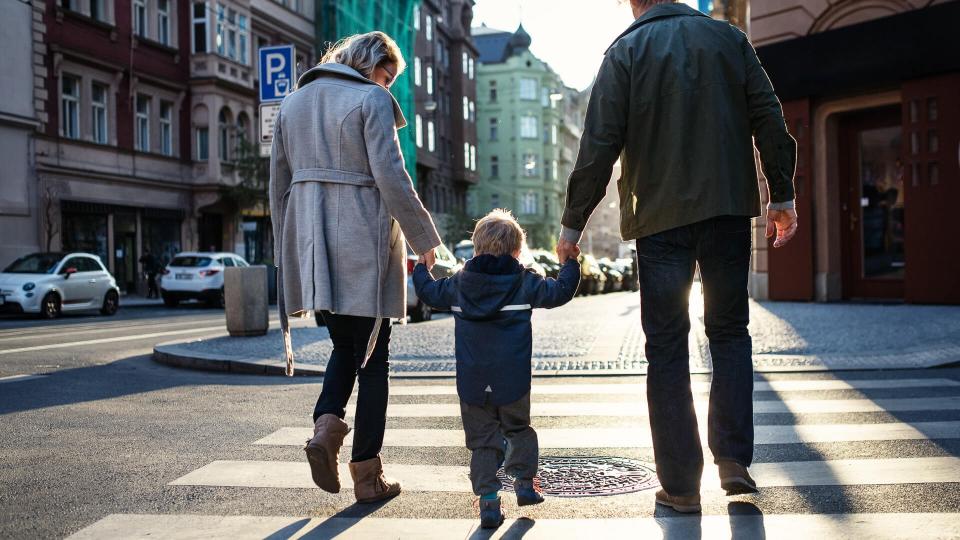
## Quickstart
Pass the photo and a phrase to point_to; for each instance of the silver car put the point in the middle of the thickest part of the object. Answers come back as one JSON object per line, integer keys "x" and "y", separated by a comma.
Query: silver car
{"x": 447, "y": 265}
{"x": 49, "y": 284}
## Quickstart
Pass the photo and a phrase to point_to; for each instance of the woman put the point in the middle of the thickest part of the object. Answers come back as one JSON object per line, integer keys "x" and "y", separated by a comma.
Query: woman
{"x": 340, "y": 197}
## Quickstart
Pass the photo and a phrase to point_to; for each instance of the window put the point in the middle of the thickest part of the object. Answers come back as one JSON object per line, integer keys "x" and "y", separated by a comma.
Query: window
{"x": 494, "y": 129}
{"x": 473, "y": 158}
{"x": 98, "y": 111}
{"x": 232, "y": 34}
{"x": 227, "y": 261}
{"x": 473, "y": 111}
{"x": 416, "y": 71}
{"x": 166, "y": 128}
{"x": 98, "y": 10}
{"x": 530, "y": 165}
{"x": 554, "y": 132}
{"x": 466, "y": 155}
{"x": 69, "y": 4}
{"x": 203, "y": 144}
{"x": 242, "y": 127}
{"x": 416, "y": 17}
{"x": 223, "y": 134}
{"x": 494, "y": 166}
{"x": 555, "y": 170}
{"x": 140, "y": 18}
{"x": 70, "y": 107}
{"x": 430, "y": 80}
{"x": 494, "y": 200}
{"x": 528, "y": 203}
{"x": 431, "y": 137}
{"x": 544, "y": 97}
{"x": 528, "y": 88}
{"x": 242, "y": 33}
{"x": 429, "y": 29}
{"x": 163, "y": 21}
{"x": 528, "y": 127}
{"x": 470, "y": 69}
{"x": 466, "y": 108}
{"x": 419, "y": 128}
{"x": 200, "y": 27}
{"x": 464, "y": 62}
{"x": 493, "y": 91}
{"x": 143, "y": 123}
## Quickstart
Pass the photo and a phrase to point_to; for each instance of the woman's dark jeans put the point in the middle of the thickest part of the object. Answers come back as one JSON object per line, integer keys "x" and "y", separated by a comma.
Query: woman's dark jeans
{"x": 667, "y": 260}
{"x": 350, "y": 335}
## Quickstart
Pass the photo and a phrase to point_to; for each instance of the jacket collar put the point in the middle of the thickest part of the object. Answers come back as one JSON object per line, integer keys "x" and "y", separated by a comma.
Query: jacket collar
{"x": 658, "y": 11}
{"x": 333, "y": 69}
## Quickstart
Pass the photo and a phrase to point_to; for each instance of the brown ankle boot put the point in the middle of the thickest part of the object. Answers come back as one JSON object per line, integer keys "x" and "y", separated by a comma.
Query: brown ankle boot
{"x": 323, "y": 451}
{"x": 369, "y": 484}
{"x": 684, "y": 504}
{"x": 734, "y": 478}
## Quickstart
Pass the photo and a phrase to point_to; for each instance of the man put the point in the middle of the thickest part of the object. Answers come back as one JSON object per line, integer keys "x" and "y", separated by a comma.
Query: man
{"x": 680, "y": 99}
{"x": 149, "y": 263}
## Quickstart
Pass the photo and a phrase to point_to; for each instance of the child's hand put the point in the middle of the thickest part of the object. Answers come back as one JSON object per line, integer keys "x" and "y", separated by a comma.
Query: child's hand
{"x": 575, "y": 252}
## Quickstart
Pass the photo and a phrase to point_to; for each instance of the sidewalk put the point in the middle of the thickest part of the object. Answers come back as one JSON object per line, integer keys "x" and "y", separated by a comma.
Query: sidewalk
{"x": 602, "y": 335}
{"x": 135, "y": 300}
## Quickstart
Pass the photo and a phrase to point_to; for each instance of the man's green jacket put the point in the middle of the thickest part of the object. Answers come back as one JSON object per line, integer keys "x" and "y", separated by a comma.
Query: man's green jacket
{"x": 680, "y": 99}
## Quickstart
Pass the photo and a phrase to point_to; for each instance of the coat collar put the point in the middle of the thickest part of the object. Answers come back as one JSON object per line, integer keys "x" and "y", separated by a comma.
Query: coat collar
{"x": 333, "y": 69}
{"x": 658, "y": 11}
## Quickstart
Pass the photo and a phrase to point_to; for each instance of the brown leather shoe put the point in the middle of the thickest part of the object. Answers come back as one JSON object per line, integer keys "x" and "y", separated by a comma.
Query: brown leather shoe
{"x": 684, "y": 505}
{"x": 734, "y": 478}
{"x": 323, "y": 451}
{"x": 369, "y": 484}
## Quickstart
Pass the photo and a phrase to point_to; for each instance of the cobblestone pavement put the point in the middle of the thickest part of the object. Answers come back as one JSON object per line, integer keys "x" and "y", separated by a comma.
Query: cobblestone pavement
{"x": 603, "y": 334}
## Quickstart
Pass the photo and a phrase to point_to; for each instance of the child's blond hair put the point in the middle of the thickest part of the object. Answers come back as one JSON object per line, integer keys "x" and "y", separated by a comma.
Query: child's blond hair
{"x": 498, "y": 233}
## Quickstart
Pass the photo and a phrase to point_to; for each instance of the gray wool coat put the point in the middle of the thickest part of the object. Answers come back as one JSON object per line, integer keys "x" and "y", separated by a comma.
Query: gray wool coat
{"x": 341, "y": 201}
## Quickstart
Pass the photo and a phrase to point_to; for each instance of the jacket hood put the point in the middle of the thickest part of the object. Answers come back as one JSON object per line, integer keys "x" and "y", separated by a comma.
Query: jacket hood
{"x": 658, "y": 11}
{"x": 487, "y": 284}
{"x": 333, "y": 69}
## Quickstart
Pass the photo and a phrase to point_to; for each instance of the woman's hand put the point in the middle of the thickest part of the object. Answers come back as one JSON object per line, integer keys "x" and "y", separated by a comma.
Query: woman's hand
{"x": 429, "y": 259}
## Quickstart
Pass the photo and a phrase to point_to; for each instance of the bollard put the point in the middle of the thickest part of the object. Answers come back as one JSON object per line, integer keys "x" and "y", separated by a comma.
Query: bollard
{"x": 245, "y": 301}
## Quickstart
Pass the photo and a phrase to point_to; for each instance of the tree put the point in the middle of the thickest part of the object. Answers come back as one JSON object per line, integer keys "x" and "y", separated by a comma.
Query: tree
{"x": 49, "y": 202}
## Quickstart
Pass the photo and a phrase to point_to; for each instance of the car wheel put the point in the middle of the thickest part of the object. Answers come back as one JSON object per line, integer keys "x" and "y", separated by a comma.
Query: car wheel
{"x": 421, "y": 313}
{"x": 216, "y": 301}
{"x": 170, "y": 301}
{"x": 50, "y": 306}
{"x": 111, "y": 303}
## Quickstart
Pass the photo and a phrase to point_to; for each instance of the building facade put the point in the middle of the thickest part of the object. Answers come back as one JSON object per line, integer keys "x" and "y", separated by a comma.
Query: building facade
{"x": 520, "y": 117}
{"x": 871, "y": 92}
{"x": 444, "y": 70}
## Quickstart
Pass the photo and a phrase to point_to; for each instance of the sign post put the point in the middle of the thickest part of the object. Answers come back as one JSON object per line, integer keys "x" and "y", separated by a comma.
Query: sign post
{"x": 277, "y": 72}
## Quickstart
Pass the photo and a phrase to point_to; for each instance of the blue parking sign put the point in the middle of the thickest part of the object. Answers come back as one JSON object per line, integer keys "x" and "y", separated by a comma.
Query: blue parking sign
{"x": 277, "y": 72}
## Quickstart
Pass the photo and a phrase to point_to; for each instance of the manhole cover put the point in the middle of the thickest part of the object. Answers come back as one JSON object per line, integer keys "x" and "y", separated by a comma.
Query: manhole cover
{"x": 590, "y": 476}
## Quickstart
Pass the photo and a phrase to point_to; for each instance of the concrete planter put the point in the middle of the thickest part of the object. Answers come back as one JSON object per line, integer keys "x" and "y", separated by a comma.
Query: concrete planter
{"x": 246, "y": 301}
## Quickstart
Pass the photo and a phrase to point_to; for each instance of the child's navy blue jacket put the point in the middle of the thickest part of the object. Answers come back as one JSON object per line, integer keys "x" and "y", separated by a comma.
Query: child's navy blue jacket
{"x": 492, "y": 299}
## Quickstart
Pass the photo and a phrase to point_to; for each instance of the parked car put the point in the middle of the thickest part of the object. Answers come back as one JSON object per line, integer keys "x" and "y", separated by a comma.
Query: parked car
{"x": 614, "y": 275}
{"x": 529, "y": 261}
{"x": 592, "y": 279}
{"x": 463, "y": 250}
{"x": 629, "y": 268}
{"x": 196, "y": 276}
{"x": 548, "y": 261}
{"x": 447, "y": 265}
{"x": 48, "y": 284}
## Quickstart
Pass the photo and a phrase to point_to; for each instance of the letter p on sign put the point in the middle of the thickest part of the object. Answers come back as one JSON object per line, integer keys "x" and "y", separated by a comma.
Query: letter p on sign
{"x": 276, "y": 72}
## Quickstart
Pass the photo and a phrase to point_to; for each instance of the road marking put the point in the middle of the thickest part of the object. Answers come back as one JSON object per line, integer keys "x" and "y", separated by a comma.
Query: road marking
{"x": 698, "y": 386}
{"x": 115, "y": 329}
{"x": 221, "y": 328}
{"x": 638, "y": 408}
{"x": 845, "y": 526}
{"x": 639, "y": 437}
{"x": 453, "y": 478}
{"x": 20, "y": 378}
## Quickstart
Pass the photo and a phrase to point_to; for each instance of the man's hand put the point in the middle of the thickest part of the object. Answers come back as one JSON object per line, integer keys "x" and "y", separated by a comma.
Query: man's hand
{"x": 429, "y": 259}
{"x": 783, "y": 223}
{"x": 567, "y": 250}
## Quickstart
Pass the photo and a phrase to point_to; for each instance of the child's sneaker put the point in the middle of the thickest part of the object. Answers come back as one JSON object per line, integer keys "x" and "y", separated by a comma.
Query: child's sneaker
{"x": 491, "y": 516}
{"x": 527, "y": 493}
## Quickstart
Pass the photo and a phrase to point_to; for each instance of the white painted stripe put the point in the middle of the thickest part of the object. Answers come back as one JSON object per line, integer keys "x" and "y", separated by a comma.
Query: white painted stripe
{"x": 137, "y": 337}
{"x": 698, "y": 386}
{"x": 511, "y": 307}
{"x": 638, "y": 408}
{"x": 451, "y": 478}
{"x": 639, "y": 436}
{"x": 60, "y": 332}
{"x": 20, "y": 378}
{"x": 835, "y": 526}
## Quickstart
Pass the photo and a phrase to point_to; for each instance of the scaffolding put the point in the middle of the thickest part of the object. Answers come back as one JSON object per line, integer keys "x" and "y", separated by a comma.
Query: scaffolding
{"x": 337, "y": 19}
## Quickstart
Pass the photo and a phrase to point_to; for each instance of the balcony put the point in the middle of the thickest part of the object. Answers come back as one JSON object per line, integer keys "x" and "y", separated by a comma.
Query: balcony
{"x": 209, "y": 65}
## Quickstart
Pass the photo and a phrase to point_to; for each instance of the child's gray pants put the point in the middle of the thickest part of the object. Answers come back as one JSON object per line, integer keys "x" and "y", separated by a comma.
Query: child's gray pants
{"x": 486, "y": 426}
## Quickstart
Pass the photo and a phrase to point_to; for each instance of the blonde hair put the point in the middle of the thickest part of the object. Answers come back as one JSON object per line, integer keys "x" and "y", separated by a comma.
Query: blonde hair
{"x": 364, "y": 52}
{"x": 498, "y": 233}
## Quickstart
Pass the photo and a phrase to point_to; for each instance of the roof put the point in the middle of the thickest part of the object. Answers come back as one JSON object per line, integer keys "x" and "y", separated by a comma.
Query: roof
{"x": 492, "y": 44}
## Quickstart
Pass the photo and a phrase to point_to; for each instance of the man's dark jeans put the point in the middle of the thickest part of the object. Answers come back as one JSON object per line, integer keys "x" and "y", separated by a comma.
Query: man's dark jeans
{"x": 667, "y": 261}
{"x": 350, "y": 335}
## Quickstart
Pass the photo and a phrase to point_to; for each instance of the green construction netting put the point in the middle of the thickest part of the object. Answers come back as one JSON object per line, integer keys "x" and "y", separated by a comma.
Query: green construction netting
{"x": 337, "y": 19}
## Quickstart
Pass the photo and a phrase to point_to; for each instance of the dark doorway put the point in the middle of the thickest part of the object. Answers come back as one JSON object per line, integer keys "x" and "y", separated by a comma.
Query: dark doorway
{"x": 211, "y": 232}
{"x": 872, "y": 204}
{"x": 125, "y": 251}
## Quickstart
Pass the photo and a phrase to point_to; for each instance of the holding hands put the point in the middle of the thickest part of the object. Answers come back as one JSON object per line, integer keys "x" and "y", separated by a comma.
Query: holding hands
{"x": 567, "y": 250}
{"x": 428, "y": 259}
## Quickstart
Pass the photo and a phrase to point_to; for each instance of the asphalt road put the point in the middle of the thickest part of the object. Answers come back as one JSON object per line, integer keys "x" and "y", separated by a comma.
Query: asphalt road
{"x": 103, "y": 430}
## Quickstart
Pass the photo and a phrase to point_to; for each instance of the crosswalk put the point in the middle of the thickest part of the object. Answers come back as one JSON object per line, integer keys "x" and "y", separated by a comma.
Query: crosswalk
{"x": 834, "y": 454}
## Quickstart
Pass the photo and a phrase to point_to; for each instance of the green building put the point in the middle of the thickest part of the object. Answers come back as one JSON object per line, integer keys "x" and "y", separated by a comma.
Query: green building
{"x": 521, "y": 129}
{"x": 337, "y": 19}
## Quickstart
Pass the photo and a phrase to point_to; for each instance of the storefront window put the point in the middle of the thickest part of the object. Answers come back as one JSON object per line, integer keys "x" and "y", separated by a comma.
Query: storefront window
{"x": 161, "y": 237}
{"x": 86, "y": 233}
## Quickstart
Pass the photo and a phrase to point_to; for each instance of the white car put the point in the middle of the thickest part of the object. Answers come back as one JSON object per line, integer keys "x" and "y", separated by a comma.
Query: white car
{"x": 198, "y": 276}
{"x": 48, "y": 284}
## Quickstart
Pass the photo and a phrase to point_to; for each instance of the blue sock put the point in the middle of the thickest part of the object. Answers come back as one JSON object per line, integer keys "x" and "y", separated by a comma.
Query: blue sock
{"x": 489, "y": 496}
